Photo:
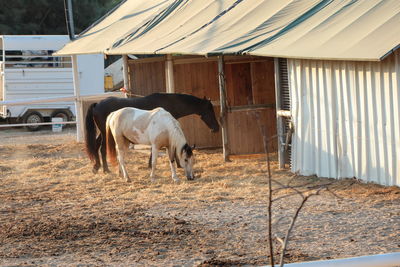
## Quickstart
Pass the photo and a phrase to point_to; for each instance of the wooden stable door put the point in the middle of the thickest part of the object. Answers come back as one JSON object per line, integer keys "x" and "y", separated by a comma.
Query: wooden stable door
{"x": 250, "y": 88}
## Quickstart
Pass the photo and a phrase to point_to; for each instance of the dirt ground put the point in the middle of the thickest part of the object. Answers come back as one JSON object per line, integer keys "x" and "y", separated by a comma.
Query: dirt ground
{"x": 55, "y": 211}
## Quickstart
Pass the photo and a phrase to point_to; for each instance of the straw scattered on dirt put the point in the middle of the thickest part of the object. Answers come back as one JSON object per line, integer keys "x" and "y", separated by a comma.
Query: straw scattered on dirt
{"x": 53, "y": 210}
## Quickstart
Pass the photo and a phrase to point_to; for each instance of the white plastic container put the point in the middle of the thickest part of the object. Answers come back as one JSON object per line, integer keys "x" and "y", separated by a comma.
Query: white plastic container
{"x": 57, "y": 127}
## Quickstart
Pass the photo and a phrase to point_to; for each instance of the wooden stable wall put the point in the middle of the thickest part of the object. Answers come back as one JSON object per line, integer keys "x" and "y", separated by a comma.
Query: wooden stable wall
{"x": 250, "y": 88}
{"x": 147, "y": 75}
{"x": 198, "y": 77}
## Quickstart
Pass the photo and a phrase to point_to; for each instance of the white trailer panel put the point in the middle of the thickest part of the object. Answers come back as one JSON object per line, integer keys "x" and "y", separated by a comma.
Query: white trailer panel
{"x": 28, "y": 70}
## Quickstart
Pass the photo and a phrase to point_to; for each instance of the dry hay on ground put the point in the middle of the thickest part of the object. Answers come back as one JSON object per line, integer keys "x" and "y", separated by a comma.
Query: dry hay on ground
{"x": 53, "y": 210}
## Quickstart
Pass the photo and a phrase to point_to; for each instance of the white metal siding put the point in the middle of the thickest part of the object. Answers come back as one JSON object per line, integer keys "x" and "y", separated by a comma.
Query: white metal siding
{"x": 347, "y": 119}
{"x": 38, "y": 83}
{"x": 91, "y": 74}
{"x": 28, "y": 83}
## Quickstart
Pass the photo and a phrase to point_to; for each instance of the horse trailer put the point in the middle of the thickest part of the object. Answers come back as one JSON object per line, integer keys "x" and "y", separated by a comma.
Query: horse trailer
{"x": 28, "y": 70}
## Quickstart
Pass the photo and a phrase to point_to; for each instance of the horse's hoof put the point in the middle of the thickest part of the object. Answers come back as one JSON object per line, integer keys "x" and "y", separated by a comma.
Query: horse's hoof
{"x": 94, "y": 170}
{"x": 106, "y": 171}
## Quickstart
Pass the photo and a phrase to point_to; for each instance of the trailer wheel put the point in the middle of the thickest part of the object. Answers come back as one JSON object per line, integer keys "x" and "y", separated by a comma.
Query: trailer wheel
{"x": 33, "y": 117}
{"x": 61, "y": 114}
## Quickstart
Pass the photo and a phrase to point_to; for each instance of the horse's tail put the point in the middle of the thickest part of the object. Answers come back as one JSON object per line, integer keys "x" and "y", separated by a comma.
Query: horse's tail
{"x": 90, "y": 135}
{"x": 111, "y": 151}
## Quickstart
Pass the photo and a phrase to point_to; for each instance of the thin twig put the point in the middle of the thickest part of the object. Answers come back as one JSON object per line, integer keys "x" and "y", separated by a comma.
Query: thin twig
{"x": 265, "y": 142}
{"x": 293, "y": 186}
{"x": 280, "y": 240}
{"x": 288, "y": 187}
{"x": 294, "y": 176}
{"x": 329, "y": 190}
{"x": 305, "y": 195}
{"x": 305, "y": 198}
{"x": 285, "y": 196}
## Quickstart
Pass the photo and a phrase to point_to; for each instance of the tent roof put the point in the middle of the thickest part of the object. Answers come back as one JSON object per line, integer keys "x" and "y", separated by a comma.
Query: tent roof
{"x": 321, "y": 29}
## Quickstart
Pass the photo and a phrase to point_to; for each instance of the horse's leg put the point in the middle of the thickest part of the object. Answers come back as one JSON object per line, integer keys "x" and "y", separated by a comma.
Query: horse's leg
{"x": 149, "y": 161}
{"x": 97, "y": 163}
{"x": 172, "y": 165}
{"x": 121, "y": 152}
{"x": 103, "y": 150}
{"x": 178, "y": 164}
{"x": 154, "y": 155}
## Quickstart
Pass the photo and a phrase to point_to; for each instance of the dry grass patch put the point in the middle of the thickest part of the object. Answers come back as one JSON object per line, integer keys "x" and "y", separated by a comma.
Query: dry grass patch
{"x": 53, "y": 210}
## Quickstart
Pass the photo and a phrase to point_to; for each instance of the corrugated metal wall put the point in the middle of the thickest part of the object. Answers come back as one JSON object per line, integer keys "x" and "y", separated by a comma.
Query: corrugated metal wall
{"x": 347, "y": 119}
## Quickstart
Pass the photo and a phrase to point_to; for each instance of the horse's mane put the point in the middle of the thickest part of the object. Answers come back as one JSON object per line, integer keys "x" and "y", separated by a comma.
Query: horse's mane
{"x": 177, "y": 138}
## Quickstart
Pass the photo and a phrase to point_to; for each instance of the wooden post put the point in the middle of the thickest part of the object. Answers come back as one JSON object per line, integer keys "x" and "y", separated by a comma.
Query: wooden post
{"x": 279, "y": 119}
{"x": 78, "y": 102}
{"x": 169, "y": 74}
{"x": 223, "y": 112}
{"x": 125, "y": 69}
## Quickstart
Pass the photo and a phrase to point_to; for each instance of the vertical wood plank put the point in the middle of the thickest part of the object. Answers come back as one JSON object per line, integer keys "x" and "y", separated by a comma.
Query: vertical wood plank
{"x": 222, "y": 94}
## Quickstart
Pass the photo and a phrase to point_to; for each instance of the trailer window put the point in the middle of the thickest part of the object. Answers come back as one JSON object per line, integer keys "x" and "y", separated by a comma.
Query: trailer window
{"x": 35, "y": 59}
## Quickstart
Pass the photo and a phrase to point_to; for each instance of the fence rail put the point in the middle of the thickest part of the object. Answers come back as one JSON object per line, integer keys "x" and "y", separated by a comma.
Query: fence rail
{"x": 79, "y": 99}
{"x": 35, "y": 124}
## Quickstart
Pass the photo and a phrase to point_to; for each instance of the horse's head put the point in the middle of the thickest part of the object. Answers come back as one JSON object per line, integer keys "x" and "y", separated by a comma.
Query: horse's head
{"x": 187, "y": 161}
{"x": 208, "y": 115}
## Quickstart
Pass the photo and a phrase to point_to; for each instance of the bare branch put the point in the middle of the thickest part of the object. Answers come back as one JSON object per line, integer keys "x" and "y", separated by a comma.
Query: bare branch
{"x": 294, "y": 176}
{"x": 329, "y": 190}
{"x": 285, "y": 196}
{"x": 288, "y": 187}
{"x": 265, "y": 142}
{"x": 305, "y": 195}
{"x": 280, "y": 240}
{"x": 305, "y": 198}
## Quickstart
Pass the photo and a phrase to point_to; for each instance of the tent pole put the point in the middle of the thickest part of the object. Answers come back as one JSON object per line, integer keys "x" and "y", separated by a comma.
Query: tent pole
{"x": 78, "y": 102}
{"x": 279, "y": 119}
{"x": 169, "y": 74}
{"x": 223, "y": 111}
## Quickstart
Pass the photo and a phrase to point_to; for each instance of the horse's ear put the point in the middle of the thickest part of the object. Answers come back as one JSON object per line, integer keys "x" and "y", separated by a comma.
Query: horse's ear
{"x": 194, "y": 147}
{"x": 205, "y": 98}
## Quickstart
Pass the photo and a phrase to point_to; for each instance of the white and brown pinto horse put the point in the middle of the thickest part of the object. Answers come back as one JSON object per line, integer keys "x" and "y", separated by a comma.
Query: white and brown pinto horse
{"x": 157, "y": 128}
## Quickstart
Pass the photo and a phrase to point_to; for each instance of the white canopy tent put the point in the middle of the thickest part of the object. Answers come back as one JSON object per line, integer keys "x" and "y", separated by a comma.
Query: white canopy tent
{"x": 313, "y": 29}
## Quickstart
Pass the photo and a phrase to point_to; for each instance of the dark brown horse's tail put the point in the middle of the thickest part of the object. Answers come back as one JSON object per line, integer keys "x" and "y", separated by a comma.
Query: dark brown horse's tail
{"x": 111, "y": 151}
{"x": 90, "y": 135}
